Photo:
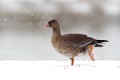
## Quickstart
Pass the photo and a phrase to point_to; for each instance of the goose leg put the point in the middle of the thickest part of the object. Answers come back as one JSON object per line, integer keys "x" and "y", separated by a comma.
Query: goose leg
{"x": 72, "y": 61}
{"x": 90, "y": 52}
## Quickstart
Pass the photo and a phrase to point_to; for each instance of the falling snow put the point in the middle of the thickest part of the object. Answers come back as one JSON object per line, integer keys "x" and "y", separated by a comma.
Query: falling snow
{"x": 5, "y": 19}
{"x": 30, "y": 23}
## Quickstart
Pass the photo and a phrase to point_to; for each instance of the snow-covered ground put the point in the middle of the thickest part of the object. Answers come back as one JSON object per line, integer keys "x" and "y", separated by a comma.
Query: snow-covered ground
{"x": 59, "y": 70}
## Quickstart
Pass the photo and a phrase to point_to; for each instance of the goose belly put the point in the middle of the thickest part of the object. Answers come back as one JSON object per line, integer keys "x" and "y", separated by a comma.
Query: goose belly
{"x": 68, "y": 50}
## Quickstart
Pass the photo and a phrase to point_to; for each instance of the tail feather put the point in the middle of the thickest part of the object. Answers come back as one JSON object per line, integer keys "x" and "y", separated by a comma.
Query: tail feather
{"x": 98, "y": 45}
{"x": 101, "y": 41}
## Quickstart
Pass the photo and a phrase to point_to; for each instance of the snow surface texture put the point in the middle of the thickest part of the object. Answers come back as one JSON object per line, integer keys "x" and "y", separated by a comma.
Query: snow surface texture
{"x": 59, "y": 70}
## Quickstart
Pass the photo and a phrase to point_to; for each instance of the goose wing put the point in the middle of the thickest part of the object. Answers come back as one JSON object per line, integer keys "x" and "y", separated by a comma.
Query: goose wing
{"x": 79, "y": 40}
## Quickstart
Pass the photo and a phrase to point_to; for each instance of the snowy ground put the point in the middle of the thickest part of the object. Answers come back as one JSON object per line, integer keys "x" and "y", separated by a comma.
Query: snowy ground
{"x": 59, "y": 70}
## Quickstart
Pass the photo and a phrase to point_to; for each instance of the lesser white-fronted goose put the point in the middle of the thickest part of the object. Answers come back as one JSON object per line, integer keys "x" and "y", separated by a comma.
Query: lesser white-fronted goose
{"x": 72, "y": 45}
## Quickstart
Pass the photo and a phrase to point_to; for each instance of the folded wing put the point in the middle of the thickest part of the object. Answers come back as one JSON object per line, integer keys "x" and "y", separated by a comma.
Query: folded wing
{"x": 79, "y": 40}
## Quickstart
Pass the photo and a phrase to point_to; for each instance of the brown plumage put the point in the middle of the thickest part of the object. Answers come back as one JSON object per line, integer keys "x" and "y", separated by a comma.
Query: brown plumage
{"x": 71, "y": 45}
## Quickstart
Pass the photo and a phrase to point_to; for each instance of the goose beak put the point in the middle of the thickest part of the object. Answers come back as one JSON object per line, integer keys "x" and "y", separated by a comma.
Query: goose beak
{"x": 46, "y": 25}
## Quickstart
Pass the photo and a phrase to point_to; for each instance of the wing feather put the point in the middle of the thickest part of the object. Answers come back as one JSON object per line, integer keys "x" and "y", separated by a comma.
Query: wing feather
{"x": 77, "y": 39}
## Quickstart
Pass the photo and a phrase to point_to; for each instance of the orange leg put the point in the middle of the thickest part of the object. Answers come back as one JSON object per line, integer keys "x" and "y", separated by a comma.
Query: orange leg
{"x": 72, "y": 61}
{"x": 90, "y": 52}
